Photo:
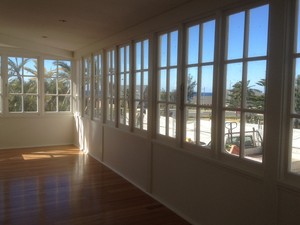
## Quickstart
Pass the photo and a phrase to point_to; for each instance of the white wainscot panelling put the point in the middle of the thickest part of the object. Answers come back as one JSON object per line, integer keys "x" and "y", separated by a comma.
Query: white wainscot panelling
{"x": 203, "y": 192}
{"x": 128, "y": 155}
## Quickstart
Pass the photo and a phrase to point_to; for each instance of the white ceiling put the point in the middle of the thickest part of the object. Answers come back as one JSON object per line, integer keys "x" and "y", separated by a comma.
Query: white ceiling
{"x": 72, "y": 24}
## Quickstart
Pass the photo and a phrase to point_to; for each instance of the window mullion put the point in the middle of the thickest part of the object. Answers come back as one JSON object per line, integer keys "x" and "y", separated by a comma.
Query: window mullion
{"x": 244, "y": 85}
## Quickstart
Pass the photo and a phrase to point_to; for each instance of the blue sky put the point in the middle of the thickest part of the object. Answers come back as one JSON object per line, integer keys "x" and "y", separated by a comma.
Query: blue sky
{"x": 257, "y": 46}
{"x": 258, "y": 33}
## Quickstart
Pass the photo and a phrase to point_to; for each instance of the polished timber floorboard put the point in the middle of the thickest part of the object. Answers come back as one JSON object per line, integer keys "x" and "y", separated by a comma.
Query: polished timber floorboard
{"x": 62, "y": 186}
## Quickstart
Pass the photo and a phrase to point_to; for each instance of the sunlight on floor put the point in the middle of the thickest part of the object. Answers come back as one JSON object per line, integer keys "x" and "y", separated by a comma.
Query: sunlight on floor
{"x": 51, "y": 154}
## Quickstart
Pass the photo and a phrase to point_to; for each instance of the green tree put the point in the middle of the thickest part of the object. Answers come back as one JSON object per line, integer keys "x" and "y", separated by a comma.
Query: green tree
{"x": 190, "y": 88}
{"x": 64, "y": 84}
{"x": 297, "y": 94}
{"x": 254, "y": 97}
{"x": 235, "y": 95}
{"x": 22, "y": 85}
{"x": 57, "y": 81}
{"x": 258, "y": 99}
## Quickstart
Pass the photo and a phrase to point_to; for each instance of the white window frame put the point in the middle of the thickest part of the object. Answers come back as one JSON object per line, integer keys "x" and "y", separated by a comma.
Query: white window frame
{"x": 22, "y": 94}
{"x": 244, "y": 60}
{"x": 291, "y": 115}
{"x": 98, "y": 86}
{"x": 167, "y": 103}
{"x": 125, "y": 73}
{"x": 111, "y": 87}
{"x": 87, "y": 82}
{"x": 187, "y": 143}
{"x": 141, "y": 95}
{"x": 57, "y": 95}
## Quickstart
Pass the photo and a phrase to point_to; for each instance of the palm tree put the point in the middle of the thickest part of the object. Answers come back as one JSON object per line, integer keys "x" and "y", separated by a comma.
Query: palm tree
{"x": 19, "y": 85}
{"x": 61, "y": 74}
{"x": 190, "y": 88}
{"x": 64, "y": 86}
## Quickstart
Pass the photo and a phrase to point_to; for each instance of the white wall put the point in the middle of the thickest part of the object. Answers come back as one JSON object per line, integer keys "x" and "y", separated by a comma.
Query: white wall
{"x": 29, "y": 131}
{"x": 201, "y": 191}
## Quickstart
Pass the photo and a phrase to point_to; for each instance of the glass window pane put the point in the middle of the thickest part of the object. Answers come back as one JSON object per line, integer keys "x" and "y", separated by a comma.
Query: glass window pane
{"x": 122, "y": 86}
{"x": 207, "y": 75}
{"x": 173, "y": 48}
{"x": 232, "y": 132}
{"x": 256, "y": 82}
{"x": 109, "y": 109}
{"x": 234, "y": 85}
{"x": 258, "y": 31}
{"x": 30, "y": 103}
{"x": 126, "y": 113}
{"x": 163, "y": 50}
{"x": 30, "y": 85}
{"x": 50, "y": 103}
{"x": 162, "y": 119}
{"x": 64, "y": 69}
{"x": 127, "y": 84}
{"x": 205, "y": 127}
{"x": 64, "y": 86}
{"x": 138, "y": 114}
{"x": 145, "y": 116}
{"x": 190, "y": 124}
{"x": 138, "y": 52}
{"x": 87, "y": 105}
{"x": 146, "y": 54}
{"x": 127, "y": 58}
{"x": 14, "y": 84}
{"x": 191, "y": 83}
{"x": 163, "y": 85}
{"x": 235, "y": 38}
{"x": 296, "y": 99}
{"x": 122, "y": 59}
{"x": 97, "y": 64}
{"x": 173, "y": 85}
{"x": 87, "y": 87}
{"x": 14, "y": 68}
{"x": 172, "y": 120}
{"x": 145, "y": 86}
{"x": 109, "y": 86}
{"x": 112, "y": 63}
{"x": 50, "y": 68}
{"x": 208, "y": 44}
{"x": 30, "y": 67}
{"x": 295, "y": 148}
{"x": 253, "y": 139}
{"x": 138, "y": 84}
{"x": 15, "y": 103}
{"x": 97, "y": 107}
{"x": 64, "y": 103}
{"x": 122, "y": 114}
{"x": 193, "y": 44}
{"x": 50, "y": 85}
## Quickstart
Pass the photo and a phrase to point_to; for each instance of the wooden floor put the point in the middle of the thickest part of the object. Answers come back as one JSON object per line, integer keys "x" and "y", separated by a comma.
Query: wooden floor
{"x": 62, "y": 186}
